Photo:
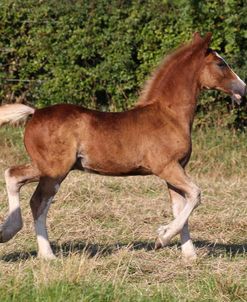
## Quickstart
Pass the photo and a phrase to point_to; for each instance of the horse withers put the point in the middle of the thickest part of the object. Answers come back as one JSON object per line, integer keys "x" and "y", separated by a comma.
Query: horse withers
{"x": 152, "y": 138}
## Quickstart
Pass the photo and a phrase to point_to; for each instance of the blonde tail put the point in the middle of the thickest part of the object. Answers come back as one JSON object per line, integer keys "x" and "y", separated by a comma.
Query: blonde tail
{"x": 14, "y": 113}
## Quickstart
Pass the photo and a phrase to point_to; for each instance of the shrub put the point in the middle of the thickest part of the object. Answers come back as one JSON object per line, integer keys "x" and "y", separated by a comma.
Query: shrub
{"x": 99, "y": 53}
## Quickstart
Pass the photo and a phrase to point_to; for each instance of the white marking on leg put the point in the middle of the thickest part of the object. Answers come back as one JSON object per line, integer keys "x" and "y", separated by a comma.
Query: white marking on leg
{"x": 188, "y": 250}
{"x": 13, "y": 223}
{"x": 178, "y": 203}
{"x": 45, "y": 250}
{"x": 179, "y": 222}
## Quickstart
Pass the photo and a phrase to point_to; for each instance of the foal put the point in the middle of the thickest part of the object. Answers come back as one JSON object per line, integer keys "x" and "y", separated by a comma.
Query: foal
{"x": 152, "y": 138}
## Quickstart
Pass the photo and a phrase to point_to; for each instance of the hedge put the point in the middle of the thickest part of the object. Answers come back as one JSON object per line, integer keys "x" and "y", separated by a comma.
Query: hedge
{"x": 100, "y": 53}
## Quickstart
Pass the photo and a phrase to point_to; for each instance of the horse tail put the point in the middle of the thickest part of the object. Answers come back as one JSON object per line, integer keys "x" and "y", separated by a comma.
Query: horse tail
{"x": 14, "y": 113}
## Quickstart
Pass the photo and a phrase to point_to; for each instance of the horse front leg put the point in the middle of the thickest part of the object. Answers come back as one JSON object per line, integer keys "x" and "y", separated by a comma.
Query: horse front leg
{"x": 180, "y": 185}
{"x": 178, "y": 203}
{"x": 40, "y": 204}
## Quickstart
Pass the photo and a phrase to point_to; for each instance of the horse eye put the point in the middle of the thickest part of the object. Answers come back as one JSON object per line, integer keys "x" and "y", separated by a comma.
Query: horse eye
{"x": 221, "y": 64}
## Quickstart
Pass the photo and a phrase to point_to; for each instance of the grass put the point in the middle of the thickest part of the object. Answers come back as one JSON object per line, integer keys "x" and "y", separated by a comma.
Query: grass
{"x": 103, "y": 229}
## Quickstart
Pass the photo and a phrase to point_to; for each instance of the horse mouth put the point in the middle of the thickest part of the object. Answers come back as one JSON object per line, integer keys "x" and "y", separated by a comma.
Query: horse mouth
{"x": 237, "y": 98}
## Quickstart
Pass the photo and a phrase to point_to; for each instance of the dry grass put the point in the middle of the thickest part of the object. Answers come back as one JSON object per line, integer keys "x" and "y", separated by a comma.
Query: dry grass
{"x": 103, "y": 230}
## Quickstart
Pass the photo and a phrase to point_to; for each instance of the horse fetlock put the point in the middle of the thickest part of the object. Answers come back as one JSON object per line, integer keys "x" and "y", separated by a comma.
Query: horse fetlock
{"x": 169, "y": 230}
{"x": 165, "y": 235}
{"x": 162, "y": 230}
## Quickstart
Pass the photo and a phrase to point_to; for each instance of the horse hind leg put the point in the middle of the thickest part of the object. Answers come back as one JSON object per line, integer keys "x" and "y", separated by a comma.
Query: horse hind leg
{"x": 15, "y": 178}
{"x": 40, "y": 204}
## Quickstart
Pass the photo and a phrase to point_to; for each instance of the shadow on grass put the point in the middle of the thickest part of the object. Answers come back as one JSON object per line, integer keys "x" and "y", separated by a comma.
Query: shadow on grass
{"x": 92, "y": 250}
{"x": 222, "y": 249}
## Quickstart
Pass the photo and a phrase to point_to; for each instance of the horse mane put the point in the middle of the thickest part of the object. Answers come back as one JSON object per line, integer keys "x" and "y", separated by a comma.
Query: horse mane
{"x": 167, "y": 71}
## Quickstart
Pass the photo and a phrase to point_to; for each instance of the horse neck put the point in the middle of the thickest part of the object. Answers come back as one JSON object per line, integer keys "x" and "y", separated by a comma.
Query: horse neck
{"x": 181, "y": 100}
{"x": 175, "y": 90}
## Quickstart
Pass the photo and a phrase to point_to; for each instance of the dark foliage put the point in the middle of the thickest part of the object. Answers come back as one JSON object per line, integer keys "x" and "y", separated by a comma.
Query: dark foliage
{"x": 99, "y": 53}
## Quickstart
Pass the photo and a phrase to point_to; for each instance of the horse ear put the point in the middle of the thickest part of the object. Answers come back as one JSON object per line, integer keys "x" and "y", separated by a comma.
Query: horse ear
{"x": 207, "y": 39}
{"x": 197, "y": 37}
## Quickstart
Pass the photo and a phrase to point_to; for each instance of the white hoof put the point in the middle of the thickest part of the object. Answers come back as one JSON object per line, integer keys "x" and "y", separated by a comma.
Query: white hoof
{"x": 48, "y": 256}
{"x": 189, "y": 258}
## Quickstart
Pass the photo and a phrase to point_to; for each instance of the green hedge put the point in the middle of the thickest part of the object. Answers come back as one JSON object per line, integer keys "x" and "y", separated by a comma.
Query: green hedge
{"x": 99, "y": 53}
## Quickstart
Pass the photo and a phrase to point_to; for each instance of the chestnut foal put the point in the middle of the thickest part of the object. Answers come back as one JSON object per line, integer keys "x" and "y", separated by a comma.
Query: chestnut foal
{"x": 152, "y": 138}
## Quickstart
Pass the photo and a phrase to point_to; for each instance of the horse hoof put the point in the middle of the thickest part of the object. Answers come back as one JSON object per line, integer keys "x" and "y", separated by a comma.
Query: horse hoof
{"x": 47, "y": 257}
{"x": 161, "y": 242}
{"x": 158, "y": 244}
{"x": 189, "y": 259}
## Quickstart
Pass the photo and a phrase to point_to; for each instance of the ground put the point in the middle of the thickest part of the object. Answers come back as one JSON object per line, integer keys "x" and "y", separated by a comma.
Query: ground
{"x": 103, "y": 230}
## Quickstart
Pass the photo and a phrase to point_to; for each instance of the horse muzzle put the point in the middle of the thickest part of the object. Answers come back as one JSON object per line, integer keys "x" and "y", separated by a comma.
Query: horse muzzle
{"x": 238, "y": 90}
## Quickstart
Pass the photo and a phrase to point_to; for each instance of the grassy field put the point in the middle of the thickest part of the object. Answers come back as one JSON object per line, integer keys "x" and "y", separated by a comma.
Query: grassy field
{"x": 103, "y": 230}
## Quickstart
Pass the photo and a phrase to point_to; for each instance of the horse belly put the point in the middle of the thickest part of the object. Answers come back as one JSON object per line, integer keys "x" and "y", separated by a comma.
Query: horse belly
{"x": 105, "y": 162}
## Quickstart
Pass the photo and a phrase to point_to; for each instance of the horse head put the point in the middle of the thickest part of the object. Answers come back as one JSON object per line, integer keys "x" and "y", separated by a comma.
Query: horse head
{"x": 215, "y": 73}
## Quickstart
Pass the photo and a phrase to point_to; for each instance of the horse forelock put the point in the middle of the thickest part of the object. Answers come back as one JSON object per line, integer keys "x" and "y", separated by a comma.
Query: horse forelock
{"x": 171, "y": 67}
